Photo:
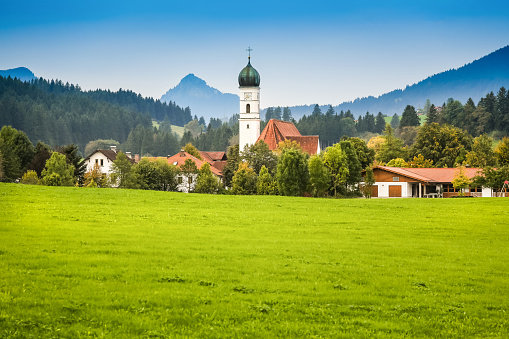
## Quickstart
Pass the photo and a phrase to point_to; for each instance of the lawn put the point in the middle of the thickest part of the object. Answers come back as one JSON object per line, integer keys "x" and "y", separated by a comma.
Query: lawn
{"x": 79, "y": 262}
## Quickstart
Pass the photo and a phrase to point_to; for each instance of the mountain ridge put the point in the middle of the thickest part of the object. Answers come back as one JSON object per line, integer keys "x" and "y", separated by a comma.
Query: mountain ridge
{"x": 22, "y": 73}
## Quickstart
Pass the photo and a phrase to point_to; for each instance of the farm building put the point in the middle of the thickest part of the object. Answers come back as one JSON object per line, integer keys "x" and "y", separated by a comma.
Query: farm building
{"x": 397, "y": 182}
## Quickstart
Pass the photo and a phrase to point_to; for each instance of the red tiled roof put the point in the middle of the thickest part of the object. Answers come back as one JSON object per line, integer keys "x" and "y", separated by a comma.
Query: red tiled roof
{"x": 180, "y": 158}
{"x": 437, "y": 175}
{"x": 277, "y": 131}
{"x": 309, "y": 143}
{"x": 213, "y": 156}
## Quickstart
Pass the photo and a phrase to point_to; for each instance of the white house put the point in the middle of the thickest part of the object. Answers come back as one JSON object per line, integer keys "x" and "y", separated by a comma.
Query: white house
{"x": 104, "y": 158}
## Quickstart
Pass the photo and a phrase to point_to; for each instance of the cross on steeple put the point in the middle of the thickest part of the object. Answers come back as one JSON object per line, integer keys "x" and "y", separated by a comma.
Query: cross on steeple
{"x": 249, "y": 50}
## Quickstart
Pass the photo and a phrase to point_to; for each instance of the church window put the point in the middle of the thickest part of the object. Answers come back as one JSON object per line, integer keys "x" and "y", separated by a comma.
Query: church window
{"x": 247, "y": 126}
{"x": 248, "y": 108}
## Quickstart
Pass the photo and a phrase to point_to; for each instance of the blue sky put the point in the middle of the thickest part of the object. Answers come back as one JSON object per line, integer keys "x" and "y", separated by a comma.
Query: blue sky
{"x": 307, "y": 52}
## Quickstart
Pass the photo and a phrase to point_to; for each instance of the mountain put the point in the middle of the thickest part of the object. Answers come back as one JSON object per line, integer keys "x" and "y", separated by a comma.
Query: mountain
{"x": 22, "y": 73}
{"x": 203, "y": 100}
{"x": 473, "y": 80}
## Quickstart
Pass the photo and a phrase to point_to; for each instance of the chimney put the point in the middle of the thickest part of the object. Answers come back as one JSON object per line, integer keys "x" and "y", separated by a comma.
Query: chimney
{"x": 113, "y": 148}
{"x": 182, "y": 153}
{"x": 136, "y": 158}
{"x": 129, "y": 155}
{"x": 168, "y": 156}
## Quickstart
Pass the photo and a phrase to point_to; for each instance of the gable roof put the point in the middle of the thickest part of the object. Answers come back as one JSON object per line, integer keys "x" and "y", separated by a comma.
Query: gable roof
{"x": 213, "y": 156}
{"x": 181, "y": 157}
{"x": 277, "y": 131}
{"x": 429, "y": 175}
{"x": 108, "y": 153}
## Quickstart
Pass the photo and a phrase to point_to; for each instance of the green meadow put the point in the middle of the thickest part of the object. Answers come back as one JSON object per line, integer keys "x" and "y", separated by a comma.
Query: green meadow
{"x": 78, "y": 262}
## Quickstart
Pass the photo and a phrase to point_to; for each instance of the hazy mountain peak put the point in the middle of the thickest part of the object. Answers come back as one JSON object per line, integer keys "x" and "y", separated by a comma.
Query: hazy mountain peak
{"x": 22, "y": 73}
{"x": 203, "y": 100}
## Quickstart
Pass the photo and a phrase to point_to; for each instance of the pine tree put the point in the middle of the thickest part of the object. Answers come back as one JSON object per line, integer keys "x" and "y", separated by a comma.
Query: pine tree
{"x": 379, "y": 123}
{"x": 409, "y": 117}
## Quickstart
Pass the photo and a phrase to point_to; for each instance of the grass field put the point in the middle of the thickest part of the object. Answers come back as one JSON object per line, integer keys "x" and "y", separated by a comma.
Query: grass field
{"x": 78, "y": 262}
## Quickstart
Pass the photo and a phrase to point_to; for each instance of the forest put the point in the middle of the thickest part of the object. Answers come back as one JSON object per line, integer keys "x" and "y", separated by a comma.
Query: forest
{"x": 58, "y": 114}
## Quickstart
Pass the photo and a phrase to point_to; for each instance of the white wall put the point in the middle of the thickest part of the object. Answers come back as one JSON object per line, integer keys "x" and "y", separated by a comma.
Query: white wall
{"x": 105, "y": 168}
{"x": 383, "y": 188}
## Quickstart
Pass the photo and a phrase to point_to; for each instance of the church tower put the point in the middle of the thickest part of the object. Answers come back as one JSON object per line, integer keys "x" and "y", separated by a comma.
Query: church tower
{"x": 249, "y": 120}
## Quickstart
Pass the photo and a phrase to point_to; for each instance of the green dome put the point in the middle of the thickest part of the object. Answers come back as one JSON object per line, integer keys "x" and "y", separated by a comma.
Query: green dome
{"x": 249, "y": 77}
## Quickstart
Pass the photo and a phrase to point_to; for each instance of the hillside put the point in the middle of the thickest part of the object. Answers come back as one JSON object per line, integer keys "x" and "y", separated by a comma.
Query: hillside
{"x": 473, "y": 80}
{"x": 22, "y": 73}
{"x": 203, "y": 100}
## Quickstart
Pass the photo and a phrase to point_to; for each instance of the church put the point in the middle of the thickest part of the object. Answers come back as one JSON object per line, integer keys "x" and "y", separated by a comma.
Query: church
{"x": 275, "y": 131}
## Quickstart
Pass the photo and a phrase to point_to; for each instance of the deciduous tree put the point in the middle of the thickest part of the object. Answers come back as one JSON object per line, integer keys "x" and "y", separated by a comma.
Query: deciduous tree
{"x": 502, "y": 152}
{"x": 189, "y": 170}
{"x": 206, "y": 182}
{"x": 258, "y": 155}
{"x": 292, "y": 172}
{"x": 266, "y": 185}
{"x": 482, "y": 154}
{"x": 122, "y": 175}
{"x": 244, "y": 181}
{"x": 57, "y": 171}
{"x": 460, "y": 180}
{"x": 319, "y": 176}
{"x": 336, "y": 162}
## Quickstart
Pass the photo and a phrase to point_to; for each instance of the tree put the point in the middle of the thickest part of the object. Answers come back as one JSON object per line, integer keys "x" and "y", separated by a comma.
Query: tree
{"x": 335, "y": 161}
{"x": 189, "y": 171}
{"x": 319, "y": 176}
{"x": 398, "y": 162}
{"x": 194, "y": 127}
{"x": 391, "y": 148}
{"x": 369, "y": 180}
{"x": 460, "y": 180}
{"x": 432, "y": 115}
{"x": 266, "y": 184}
{"x": 147, "y": 175}
{"x": 95, "y": 178}
{"x": 189, "y": 148}
{"x": 395, "y": 121}
{"x": 206, "y": 182}
{"x": 258, "y": 155}
{"x": 420, "y": 162}
{"x": 232, "y": 163}
{"x": 365, "y": 154}
{"x": 17, "y": 152}
{"x": 42, "y": 154}
{"x": 30, "y": 178}
{"x": 244, "y": 181}
{"x": 316, "y": 111}
{"x": 277, "y": 113}
{"x": 502, "y": 152}
{"x": 454, "y": 113}
{"x": 292, "y": 172}
{"x": 482, "y": 154}
{"x": 287, "y": 114}
{"x": 57, "y": 171}
{"x": 71, "y": 154}
{"x": 269, "y": 114}
{"x": 286, "y": 145}
{"x": 122, "y": 175}
{"x": 1, "y": 164}
{"x": 409, "y": 117}
{"x": 379, "y": 123}
{"x": 167, "y": 175}
{"x": 442, "y": 144}
{"x": 353, "y": 163}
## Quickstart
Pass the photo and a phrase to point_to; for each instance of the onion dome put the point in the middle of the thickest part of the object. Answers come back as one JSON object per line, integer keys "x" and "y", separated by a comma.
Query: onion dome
{"x": 249, "y": 77}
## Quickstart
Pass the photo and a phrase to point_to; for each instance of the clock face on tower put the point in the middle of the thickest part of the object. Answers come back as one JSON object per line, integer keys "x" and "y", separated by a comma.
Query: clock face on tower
{"x": 248, "y": 96}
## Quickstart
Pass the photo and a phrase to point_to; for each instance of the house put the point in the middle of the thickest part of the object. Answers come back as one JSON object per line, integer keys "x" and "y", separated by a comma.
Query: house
{"x": 277, "y": 131}
{"x": 184, "y": 182}
{"x": 393, "y": 182}
{"x": 104, "y": 158}
{"x": 217, "y": 160}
